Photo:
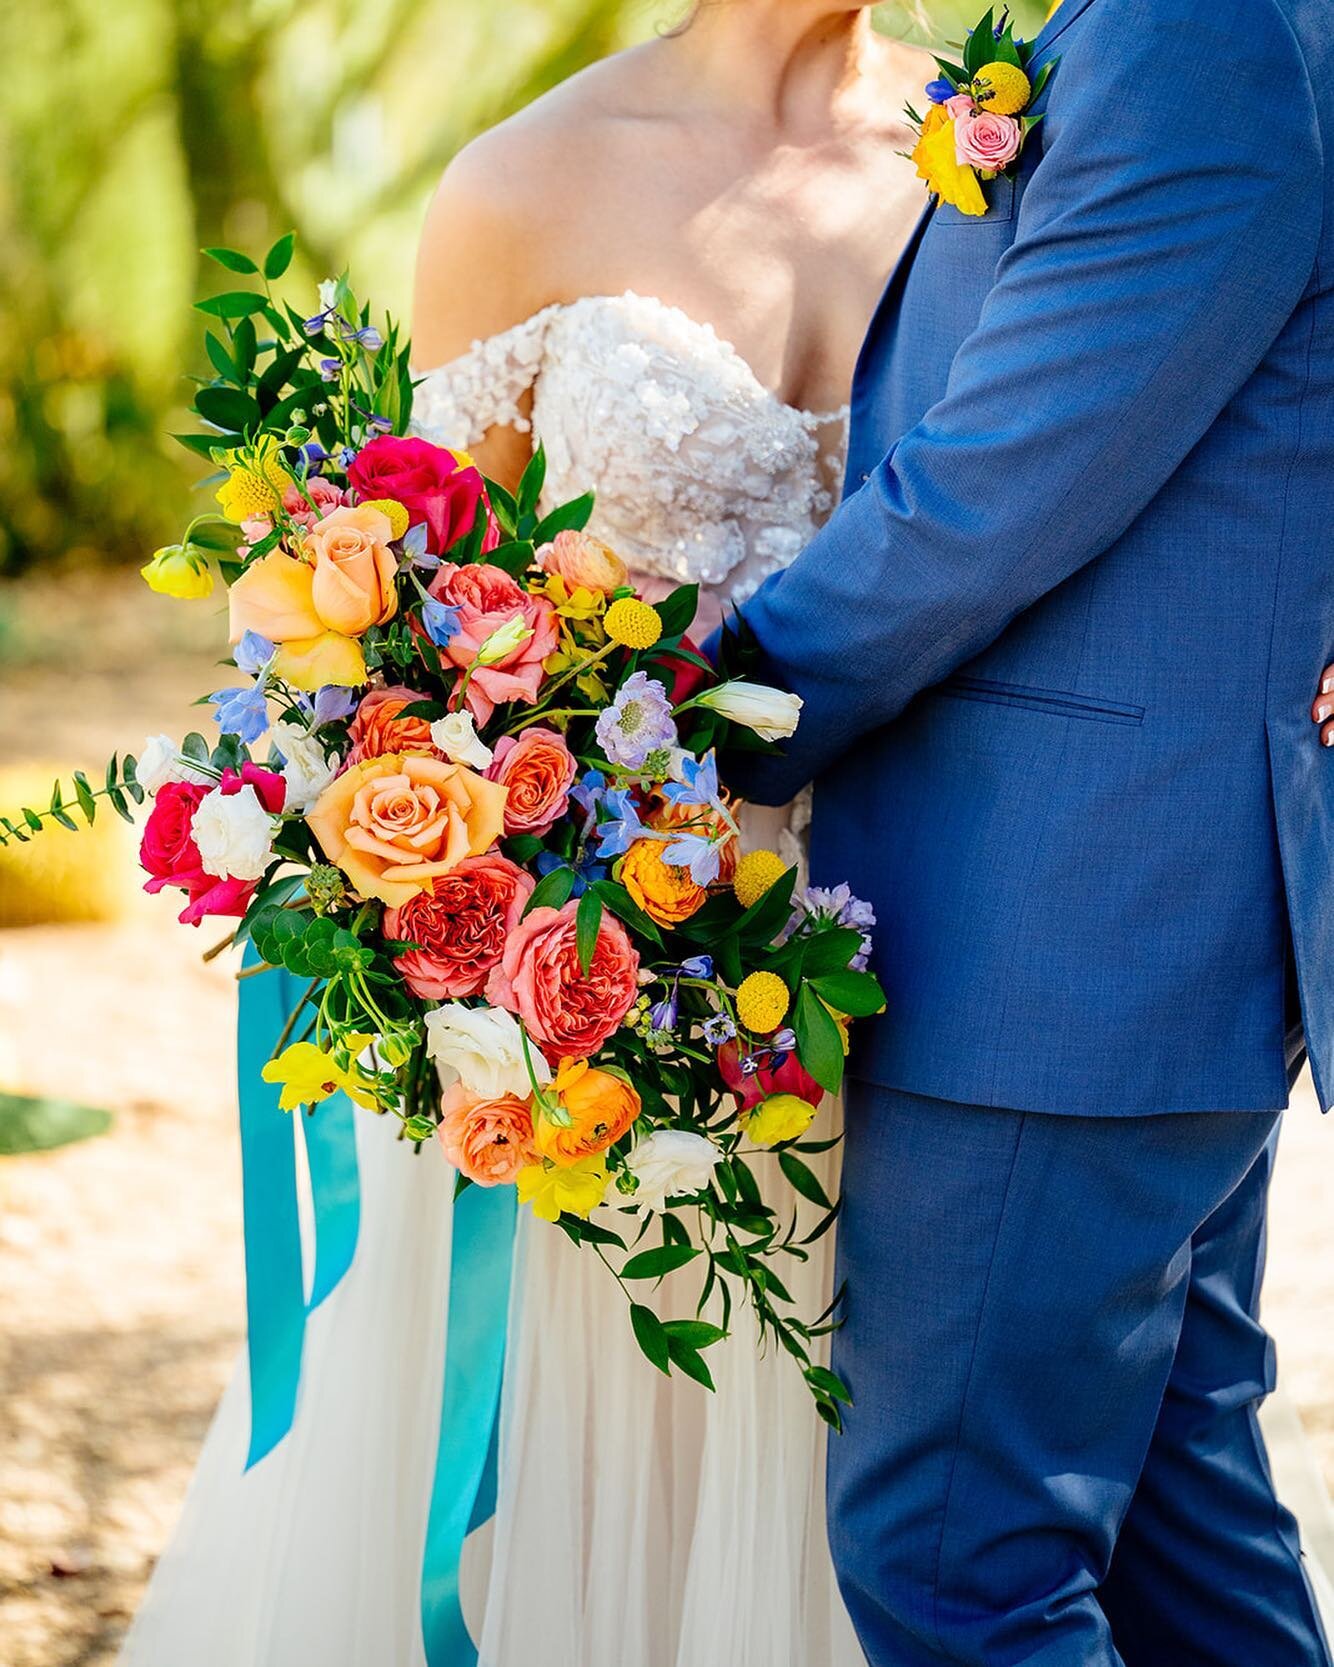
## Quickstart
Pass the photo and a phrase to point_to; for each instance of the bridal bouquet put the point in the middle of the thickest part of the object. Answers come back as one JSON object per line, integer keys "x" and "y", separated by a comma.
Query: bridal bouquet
{"x": 464, "y": 786}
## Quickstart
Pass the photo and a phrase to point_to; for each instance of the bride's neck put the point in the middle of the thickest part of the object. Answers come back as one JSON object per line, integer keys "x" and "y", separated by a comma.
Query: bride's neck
{"x": 787, "y": 61}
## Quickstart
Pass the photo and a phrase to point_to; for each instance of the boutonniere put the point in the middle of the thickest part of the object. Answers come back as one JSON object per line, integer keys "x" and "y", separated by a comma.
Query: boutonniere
{"x": 977, "y": 121}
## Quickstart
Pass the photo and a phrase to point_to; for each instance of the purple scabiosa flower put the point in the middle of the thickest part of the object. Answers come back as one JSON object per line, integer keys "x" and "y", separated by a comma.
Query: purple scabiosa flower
{"x": 243, "y": 712}
{"x": 637, "y": 723}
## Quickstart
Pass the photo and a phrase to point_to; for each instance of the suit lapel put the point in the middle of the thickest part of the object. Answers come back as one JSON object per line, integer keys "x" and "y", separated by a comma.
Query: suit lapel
{"x": 1059, "y": 21}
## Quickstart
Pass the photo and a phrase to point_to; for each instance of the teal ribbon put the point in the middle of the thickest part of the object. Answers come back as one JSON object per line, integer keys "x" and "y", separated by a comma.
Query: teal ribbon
{"x": 463, "y": 1494}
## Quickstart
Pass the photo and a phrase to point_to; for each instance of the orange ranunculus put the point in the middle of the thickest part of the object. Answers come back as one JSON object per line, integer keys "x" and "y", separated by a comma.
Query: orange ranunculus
{"x": 601, "y": 1106}
{"x": 354, "y": 569}
{"x": 665, "y": 893}
{"x": 584, "y": 562}
{"x": 393, "y": 823}
{"x": 488, "y": 1140}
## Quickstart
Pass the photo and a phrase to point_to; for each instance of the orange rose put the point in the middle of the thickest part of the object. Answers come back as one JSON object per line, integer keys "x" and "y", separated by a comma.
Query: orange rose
{"x": 378, "y": 729}
{"x": 584, "y": 562}
{"x": 601, "y": 1107}
{"x": 393, "y": 823}
{"x": 665, "y": 894}
{"x": 354, "y": 569}
{"x": 489, "y": 1141}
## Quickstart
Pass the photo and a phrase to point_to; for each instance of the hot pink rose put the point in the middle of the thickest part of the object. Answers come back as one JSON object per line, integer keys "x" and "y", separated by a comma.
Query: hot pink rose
{"x": 789, "y": 1077}
{"x": 487, "y": 598}
{"x": 169, "y": 854}
{"x": 987, "y": 142}
{"x": 489, "y": 1141}
{"x": 538, "y": 770}
{"x": 443, "y": 489}
{"x": 567, "y": 1012}
{"x": 461, "y": 921}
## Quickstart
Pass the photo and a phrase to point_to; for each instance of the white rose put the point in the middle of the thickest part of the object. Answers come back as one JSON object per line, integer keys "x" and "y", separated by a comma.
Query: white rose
{"x": 771, "y": 713}
{"x": 482, "y": 1048}
{"x": 457, "y": 738}
{"x": 669, "y": 1163}
{"x": 233, "y": 833}
{"x": 161, "y": 761}
{"x": 306, "y": 771}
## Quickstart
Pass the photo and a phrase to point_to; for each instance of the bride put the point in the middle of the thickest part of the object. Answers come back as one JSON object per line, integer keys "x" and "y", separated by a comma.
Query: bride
{"x": 664, "y": 270}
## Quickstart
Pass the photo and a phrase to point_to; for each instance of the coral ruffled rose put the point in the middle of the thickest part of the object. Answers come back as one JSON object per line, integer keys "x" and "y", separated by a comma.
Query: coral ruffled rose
{"x": 440, "y": 489}
{"x": 584, "y": 562}
{"x": 489, "y": 1141}
{"x": 601, "y": 1108}
{"x": 354, "y": 569}
{"x": 537, "y": 771}
{"x": 487, "y": 598}
{"x": 567, "y": 1012}
{"x": 461, "y": 920}
{"x": 378, "y": 729}
{"x": 393, "y": 824}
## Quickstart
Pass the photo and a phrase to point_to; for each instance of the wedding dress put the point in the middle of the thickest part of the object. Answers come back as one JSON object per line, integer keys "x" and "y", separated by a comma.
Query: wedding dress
{"x": 641, "y": 1522}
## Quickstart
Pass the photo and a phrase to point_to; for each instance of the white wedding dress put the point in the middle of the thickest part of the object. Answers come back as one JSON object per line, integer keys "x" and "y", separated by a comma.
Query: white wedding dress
{"x": 641, "y": 1522}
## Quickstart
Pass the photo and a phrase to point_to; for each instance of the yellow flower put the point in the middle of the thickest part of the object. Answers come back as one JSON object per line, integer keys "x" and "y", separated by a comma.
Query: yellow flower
{"x": 572, "y": 601}
{"x": 633, "y": 624}
{"x": 762, "y": 1002}
{"x": 940, "y": 167}
{"x": 663, "y": 891}
{"x": 179, "y": 571}
{"x": 309, "y": 1075}
{"x": 257, "y": 481}
{"x": 781, "y": 1117}
{"x": 308, "y": 663}
{"x": 393, "y": 511}
{"x": 577, "y": 1188}
{"x": 756, "y": 873}
{"x": 1002, "y": 89}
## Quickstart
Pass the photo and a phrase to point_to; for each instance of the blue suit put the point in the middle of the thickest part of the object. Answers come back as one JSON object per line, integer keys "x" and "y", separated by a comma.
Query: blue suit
{"x": 1056, "y": 650}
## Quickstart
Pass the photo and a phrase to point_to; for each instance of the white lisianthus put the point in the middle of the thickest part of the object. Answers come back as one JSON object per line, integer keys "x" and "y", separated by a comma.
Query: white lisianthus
{"x": 482, "y": 1048}
{"x": 669, "y": 1163}
{"x": 306, "y": 771}
{"x": 457, "y": 737}
{"x": 503, "y": 641}
{"x": 328, "y": 294}
{"x": 772, "y": 713}
{"x": 233, "y": 834}
{"x": 161, "y": 760}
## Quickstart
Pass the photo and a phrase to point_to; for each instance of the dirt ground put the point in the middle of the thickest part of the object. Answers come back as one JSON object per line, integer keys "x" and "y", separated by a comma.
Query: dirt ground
{"x": 120, "y": 1260}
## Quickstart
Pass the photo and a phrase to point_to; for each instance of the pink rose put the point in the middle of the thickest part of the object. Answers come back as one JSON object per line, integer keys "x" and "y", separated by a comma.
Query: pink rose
{"x": 442, "y": 489}
{"x": 989, "y": 143}
{"x": 461, "y": 921}
{"x": 169, "y": 854}
{"x": 538, "y": 770}
{"x": 489, "y": 1141}
{"x": 567, "y": 1012}
{"x": 487, "y": 598}
{"x": 326, "y": 496}
{"x": 960, "y": 107}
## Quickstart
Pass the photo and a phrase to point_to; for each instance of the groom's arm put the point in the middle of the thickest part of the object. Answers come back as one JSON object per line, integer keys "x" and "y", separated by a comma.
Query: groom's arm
{"x": 1164, "y": 240}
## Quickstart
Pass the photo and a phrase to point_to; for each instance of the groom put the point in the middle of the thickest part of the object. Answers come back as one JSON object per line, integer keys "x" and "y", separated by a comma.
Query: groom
{"x": 1055, "y": 651}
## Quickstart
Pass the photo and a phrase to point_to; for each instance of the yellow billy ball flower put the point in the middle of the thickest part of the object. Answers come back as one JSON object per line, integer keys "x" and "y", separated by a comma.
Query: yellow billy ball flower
{"x": 256, "y": 483}
{"x": 755, "y": 874}
{"x": 781, "y": 1117}
{"x": 632, "y": 623}
{"x": 1002, "y": 89}
{"x": 762, "y": 1002}
{"x": 180, "y": 571}
{"x": 394, "y": 512}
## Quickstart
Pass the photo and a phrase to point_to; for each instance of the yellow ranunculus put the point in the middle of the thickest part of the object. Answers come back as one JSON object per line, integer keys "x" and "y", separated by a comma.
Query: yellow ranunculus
{"x": 309, "y": 1075}
{"x": 179, "y": 571}
{"x": 577, "y": 1188}
{"x": 309, "y": 663}
{"x": 938, "y": 164}
{"x": 781, "y": 1117}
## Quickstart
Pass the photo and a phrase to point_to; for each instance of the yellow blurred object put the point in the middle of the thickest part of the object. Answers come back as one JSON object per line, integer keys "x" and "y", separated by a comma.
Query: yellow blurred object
{"x": 60, "y": 877}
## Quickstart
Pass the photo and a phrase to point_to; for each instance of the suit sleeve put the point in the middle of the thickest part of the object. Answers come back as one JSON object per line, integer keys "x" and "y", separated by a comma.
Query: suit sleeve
{"x": 1164, "y": 240}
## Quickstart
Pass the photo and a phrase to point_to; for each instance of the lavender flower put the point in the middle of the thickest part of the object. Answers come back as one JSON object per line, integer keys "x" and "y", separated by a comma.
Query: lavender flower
{"x": 638, "y": 722}
{"x": 717, "y": 1030}
{"x": 331, "y": 705}
{"x": 823, "y": 906}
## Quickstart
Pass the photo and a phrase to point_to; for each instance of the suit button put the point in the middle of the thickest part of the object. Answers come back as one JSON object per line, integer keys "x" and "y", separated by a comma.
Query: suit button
{"x": 865, "y": 477}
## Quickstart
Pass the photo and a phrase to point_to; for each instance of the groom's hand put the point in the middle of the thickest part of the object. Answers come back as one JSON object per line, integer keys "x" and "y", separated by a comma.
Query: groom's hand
{"x": 1322, "y": 708}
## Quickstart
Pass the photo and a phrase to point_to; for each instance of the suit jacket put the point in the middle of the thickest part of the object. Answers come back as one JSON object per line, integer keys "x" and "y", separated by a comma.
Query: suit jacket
{"x": 1058, "y": 645}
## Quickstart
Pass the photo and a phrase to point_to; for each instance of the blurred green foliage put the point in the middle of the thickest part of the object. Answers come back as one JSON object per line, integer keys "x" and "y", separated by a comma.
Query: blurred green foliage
{"x": 134, "y": 133}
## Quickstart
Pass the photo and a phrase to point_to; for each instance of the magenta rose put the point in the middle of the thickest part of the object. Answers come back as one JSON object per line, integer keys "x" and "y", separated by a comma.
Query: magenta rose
{"x": 461, "y": 922}
{"x": 487, "y": 598}
{"x": 435, "y": 486}
{"x": 171, "y": 858}
{"x": 568, "y": 1012}
{"x": 538, "y": 770}
{"x": 987, "y": 142}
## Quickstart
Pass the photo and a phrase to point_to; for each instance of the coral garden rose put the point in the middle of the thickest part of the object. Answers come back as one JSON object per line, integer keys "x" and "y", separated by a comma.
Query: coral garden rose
{"x": 441, "y": 489}
{"x": 537, "y": 771}
{"x": 487, "y": 600}
{"x": 569, "y": 1013}
{"x": 170, "y": 853}
{"x": 584, "y": 562}
{"x": 601, "y": 1107}
{"x": 394, "y": 823}
{"x": 461, "y": 921}
{"x": 987, "y": 142}
{"x": 664, "y": 892}
{"x": 353, "y": 569}
{"x": 488, "y": 1140}
{"x": 786, "y": 1077}
{"x": 378, "y": 728}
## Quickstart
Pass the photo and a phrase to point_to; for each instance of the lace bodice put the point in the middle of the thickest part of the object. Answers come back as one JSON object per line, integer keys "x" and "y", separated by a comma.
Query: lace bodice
{"x": 701, "y": 472}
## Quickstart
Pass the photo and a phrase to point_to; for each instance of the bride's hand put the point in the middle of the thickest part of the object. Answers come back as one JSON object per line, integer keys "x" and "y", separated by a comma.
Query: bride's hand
{"x": 1322, "y": 707}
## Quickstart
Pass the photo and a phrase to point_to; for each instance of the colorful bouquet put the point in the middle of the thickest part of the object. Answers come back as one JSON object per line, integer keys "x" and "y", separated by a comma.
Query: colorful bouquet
{"x": 466, "y": 788}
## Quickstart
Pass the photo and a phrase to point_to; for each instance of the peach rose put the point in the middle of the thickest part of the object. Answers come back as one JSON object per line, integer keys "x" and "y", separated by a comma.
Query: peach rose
{"x": 489, "y": 1141}
{"x": 377, "y": 728}
{"x": 393, "y": 823}
{"x": 602, "y": 1106}
{"x": 584, "y": 562}
{"x": 537, "y": 771}
{"x": 487, "y": 598}
{"x": 354, "y": 569}
{"x": 567, "y": 1012}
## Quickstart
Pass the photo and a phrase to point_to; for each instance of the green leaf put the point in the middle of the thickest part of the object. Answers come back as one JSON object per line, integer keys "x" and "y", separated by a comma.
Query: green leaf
{"x": 515, "y": 558}
{"x": 571, "y": 517}
{"x": 552, "y": 891}
{"x": 502, "y": 502}
{"x": 858, "y": 994}
{"x": 228, "y": 408}
{"x": 689, "y": 1361}
{"x": 419, "y": 1128}
{"x": 650, "y": 1336}
{"x": 830, "y": 950}
{"x": 653, "y": 1264}
{"x": 587, "y": 925}
{"x": 819, "y": 1040}
{"x": 828, "y": 1383}
{"x": 699, "y": 1334}
{"x": 521, "y": 848}
{"x": 830, "y": 1413}
{"x": 534, "y": 478}
{"x": 84, "y": 794}
{"x": 621, "y": 904}
{"x": 430, "y": 710}
{"x": 279, "y": 257}
{"x": 762, "y": 921}
{"x": 33, "y": 820}
{"x": 116, "y": 799}
{"x": 980, "y": 45}
{"x": 803, "y": 1180}
{"x": 232, "y": 259}
{"x": 221, "y": 359}
{"x": 677, "y": 611}
{"x": 233, "y": 303}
